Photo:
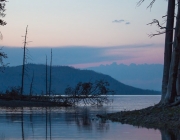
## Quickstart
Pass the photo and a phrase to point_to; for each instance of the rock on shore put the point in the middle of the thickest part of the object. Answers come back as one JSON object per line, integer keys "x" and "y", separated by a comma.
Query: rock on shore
{"x": 151, "y": 117}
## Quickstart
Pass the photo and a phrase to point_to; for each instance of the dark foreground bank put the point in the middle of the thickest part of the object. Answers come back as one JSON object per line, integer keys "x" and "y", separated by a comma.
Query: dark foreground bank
{"x": 151, "y": 117}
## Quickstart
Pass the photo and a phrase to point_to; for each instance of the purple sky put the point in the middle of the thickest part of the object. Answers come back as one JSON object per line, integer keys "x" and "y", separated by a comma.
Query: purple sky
{"x": 84, "y": 33}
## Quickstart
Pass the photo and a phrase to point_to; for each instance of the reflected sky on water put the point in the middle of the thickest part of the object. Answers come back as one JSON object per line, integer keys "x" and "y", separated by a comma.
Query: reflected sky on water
{"x": 75, "y": 122}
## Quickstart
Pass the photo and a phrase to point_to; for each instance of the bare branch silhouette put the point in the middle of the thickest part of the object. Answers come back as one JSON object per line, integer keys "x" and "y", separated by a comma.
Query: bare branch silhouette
{"x": 149, "y": 6}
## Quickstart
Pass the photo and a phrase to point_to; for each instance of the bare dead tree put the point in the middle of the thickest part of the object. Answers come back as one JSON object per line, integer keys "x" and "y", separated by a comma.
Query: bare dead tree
{"x": 46, "y": 78}
{"x": 50, "y": 79}
{"x": 168, "y": 46}
{"x": 170, "y": 63}
{"x": 171, "y": 56}
{"x": 173, "y": 72}
{"x": 24, "y": 59}
{"x": 31, "y": 85}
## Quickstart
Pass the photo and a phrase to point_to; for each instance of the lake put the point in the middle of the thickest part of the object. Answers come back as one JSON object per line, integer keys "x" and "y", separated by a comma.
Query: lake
{"x": 75, "y": 122}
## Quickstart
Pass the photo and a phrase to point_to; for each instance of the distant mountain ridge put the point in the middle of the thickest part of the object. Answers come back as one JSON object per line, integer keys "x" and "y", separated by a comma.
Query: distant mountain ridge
{"x": 146, "y": 76}
{"x": 62, "y": 76}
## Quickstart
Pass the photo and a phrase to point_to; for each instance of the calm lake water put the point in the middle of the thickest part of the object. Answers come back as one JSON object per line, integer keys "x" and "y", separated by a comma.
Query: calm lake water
{"x": 75, "y": 122}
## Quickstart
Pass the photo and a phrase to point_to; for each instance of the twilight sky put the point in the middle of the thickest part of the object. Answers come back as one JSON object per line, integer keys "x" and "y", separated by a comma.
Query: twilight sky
{"x": 83, "y": 33}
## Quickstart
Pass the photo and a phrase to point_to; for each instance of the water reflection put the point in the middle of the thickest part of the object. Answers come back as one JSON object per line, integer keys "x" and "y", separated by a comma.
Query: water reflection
{"x": 22, "y": 123}
{"x": 74, "y": 123}
{"x": 29, "y": 120}
{"x": 84, "y": 120}
{"x": 64, "y": 123}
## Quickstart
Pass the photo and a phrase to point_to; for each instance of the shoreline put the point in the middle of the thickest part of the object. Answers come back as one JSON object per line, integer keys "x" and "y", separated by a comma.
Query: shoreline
{"x": 150, "y": 117}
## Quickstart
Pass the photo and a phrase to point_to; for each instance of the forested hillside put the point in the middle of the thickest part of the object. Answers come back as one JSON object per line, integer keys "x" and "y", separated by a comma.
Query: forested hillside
{"x": 145, "y": 76}
{"x": 62, "y": 76}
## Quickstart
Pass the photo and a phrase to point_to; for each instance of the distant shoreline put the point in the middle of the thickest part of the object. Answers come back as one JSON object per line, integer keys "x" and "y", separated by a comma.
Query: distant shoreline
{"x": 25, "y": 103}
{"x": 36, "y": 103}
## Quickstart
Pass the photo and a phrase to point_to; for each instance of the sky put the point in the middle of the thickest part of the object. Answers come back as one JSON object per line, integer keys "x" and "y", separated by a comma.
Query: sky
{"x": 83, "y": 33}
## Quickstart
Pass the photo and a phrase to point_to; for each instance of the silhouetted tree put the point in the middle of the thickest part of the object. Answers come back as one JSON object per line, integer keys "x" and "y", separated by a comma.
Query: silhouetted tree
{"x": 171, "y": 73}
{"x": 168, "y": 46}
{"x": 50, "y": 79}
{"x": 171, "y": 87}
{"x": 46, "y": 78}
{"x": 24, "y": 60}
{"x": 31, "y": 85}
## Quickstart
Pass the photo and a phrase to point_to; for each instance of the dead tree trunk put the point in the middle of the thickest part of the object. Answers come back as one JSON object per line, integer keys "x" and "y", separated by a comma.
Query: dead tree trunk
{"x": 23, "y": 66}
{"x": 178, "y": 80}
{"x": 50, "y": 79}
{"x": 46, "y": 78}
{"x": 171, "y": 88}
{"x": 31, "y": 85}
{"x": 168, "y": 46}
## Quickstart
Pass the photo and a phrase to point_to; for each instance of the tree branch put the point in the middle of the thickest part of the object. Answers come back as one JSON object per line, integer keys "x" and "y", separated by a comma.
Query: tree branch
{"x": 155, "y": 21}
{"x": 158, "y": 33}
{"x": 149, "y": 6}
